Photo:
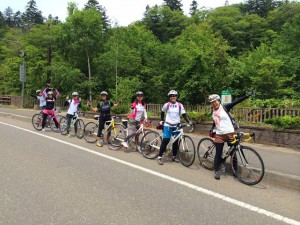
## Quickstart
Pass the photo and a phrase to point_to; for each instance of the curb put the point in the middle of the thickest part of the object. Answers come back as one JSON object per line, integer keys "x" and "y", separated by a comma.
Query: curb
{"x": 271, "y": 177}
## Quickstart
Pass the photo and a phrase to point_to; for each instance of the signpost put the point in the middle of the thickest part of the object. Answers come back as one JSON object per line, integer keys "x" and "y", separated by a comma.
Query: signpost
{"x": 226, "y": 97}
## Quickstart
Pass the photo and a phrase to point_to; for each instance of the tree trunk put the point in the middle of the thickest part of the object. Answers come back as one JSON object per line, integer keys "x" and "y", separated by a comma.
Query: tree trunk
{"x": 90, "y": 76}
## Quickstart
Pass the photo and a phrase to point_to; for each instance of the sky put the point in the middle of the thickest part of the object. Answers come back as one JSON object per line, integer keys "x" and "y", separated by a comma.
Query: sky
{"x": 122, "y": 12}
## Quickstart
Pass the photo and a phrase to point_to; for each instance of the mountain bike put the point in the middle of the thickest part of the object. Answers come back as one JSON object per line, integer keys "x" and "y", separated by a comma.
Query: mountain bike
{"x": 152, "y": 140}
{"x": 246, "y": 164}
{"x": 38, "y": 118}
{"x": 110, "y": 127}
{"x": 136, "y": 139}
{"x": 75, "y": 121}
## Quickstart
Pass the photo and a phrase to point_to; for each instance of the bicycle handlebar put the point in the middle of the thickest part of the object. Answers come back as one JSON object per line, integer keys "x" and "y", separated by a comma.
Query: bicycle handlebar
{"x": 240, "y": 135}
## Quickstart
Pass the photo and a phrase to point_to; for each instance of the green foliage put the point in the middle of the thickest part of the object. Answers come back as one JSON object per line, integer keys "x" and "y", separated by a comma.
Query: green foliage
{"x": 272, "y": 103}
{"x": 286, "y": 122}
{"x": 199, "y": 116}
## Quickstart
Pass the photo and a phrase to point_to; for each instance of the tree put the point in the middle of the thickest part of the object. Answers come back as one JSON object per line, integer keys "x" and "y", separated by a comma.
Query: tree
{"x": 18, "y": 22}
{"x": 261, "y": 7}
{"x": 79, "y": 40}
{"x": 165, "y": 23}
{"x": 32, "y": 15}
{"x": 101, "y": 10}
{"x": 174, "y": 4}
{"x": 193, "y": 8}
{"x": 9, "y": 16}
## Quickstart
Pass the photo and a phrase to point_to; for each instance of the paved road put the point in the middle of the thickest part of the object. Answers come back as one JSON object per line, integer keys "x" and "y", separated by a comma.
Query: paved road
{"x": 46, "y": 180}
{"x": 278, "y": 159}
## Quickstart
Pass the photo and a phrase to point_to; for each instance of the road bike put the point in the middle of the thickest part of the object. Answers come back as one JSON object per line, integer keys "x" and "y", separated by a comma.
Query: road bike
{"x": 75, "y": 122}
{"x": 38, "y": 118}
{"x": 152, "y": 140}
{"x": 246, "y": 164}
{"x": 136, "y": 139}
{"x": 110, "y": 127}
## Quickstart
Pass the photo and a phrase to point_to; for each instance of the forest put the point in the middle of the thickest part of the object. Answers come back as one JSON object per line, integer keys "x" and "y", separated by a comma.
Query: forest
{"x": 254, "y": 45}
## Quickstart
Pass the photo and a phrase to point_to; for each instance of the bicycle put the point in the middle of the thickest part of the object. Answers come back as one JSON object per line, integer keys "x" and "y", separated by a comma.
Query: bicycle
{"x": 151, "y": 143}
{"x": 245, "y": 162}
{"x": 37, "y": 120}
{"x": 76, "y": 121}
{"x": 91, "y": 129}
{"x": 122, "y": 134}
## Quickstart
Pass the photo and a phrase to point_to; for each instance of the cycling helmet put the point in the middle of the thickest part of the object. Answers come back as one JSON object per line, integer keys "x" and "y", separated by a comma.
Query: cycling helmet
{"x": 173, "y": 92}
{"x": 75, "y": 93}
{"x": 50, "y": 93}
{"x": 139, "y": 93}
{"x": 214, "y": 97}
{"x": 104, "y": 93}
{"x": 38, "y": 91}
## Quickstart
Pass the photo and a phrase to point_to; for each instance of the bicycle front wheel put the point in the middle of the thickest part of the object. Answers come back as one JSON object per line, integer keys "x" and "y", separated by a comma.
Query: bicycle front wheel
{"x": 80, "y": 128}
{"x": 115, "y": 136}
{"x": 63, "y": 125}
{"x": 90, "y": 132}
{"x": 37, "y": 121}
{"x": 187, "y": 151}
{"x": 150, "y": 144}
{"x": 247, "y": 165}
{"x": 206, "y": 152}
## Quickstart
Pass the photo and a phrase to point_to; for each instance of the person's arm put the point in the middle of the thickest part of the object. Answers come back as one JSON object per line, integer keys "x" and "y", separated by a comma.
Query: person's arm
{"x": 186, "y": 118}
{"x": 145, "y": 113}
{"x": 34, "y": 96}
{"x": 67, "y": 103}
{"x": 95, "y": 109}
{"x": 239, "y": 100}
{"x": 45, "y": 92}
{"x": 57, "y": 93}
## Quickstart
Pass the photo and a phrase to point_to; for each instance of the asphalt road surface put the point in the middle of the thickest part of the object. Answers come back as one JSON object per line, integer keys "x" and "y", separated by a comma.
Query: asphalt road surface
{"x": 47, "y": 178}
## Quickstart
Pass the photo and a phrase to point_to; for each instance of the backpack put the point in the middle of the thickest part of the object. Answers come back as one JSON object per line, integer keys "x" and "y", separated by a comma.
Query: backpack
{"x": 233, "y": 121}
{"x": 179, "y": 105}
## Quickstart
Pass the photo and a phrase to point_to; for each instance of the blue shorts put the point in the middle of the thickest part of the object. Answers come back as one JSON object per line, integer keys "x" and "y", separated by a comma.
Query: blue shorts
{"x": 167, "y": 132}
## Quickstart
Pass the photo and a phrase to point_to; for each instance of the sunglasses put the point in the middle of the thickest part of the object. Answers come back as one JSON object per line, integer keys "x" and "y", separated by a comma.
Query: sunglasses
{"x": 140, "y": 95}
{"x": 172, "y": 96}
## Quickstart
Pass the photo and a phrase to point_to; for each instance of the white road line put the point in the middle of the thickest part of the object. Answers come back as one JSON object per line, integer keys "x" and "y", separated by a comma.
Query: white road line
{"x": 175, "y": 180}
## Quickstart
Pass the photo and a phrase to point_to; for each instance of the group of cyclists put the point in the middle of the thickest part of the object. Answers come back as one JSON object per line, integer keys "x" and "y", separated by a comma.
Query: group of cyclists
{"x": 222, "y": 129}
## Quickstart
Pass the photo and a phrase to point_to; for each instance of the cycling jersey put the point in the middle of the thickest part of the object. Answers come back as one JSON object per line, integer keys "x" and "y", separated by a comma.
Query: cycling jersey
{"x": 104, "y": 107}
{"x": 42, "y": 101}
{"x": 138, "y": 110}
{"x": 173, "y": 110}
{"x": 73, "y": 104}
{"x": 222, "y": 121}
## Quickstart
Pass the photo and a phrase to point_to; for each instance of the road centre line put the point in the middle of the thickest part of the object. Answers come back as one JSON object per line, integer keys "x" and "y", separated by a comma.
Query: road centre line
{"x": 169, "y": 178}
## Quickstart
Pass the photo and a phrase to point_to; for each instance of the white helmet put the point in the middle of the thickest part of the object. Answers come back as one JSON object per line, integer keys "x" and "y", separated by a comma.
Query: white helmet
{"x": 50, "y": 93}
{"x": 173, "y": 92}
{"x": 38, "y": 91}
{"x": 104, "y": 93}
{"x": 139, "y": 93}
{"x": 214, "y": 97}
{"x": 75, "y": 93}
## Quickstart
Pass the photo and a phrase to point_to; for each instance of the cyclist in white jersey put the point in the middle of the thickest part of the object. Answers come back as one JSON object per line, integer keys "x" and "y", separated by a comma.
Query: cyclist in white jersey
{"x": 73, "y": 104}
{"x": 173, "y": 109}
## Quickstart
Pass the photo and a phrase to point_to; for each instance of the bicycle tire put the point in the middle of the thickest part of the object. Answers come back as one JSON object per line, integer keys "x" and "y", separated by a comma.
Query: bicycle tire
{"x": 138, "y": 139}
{"x": 242, "y": 172}
{"x": 37, "y": 121}
{"x": 151, "y": 151}
{"x": 63, "y": 125}
{"x": 186, "y": 151}
{"x": 80, "y": 128}
{"x": 115, "y": 135}
{"x": 206, "y": 152}
{"x": 90, "y": 132}
{"x": 52, "y": 124}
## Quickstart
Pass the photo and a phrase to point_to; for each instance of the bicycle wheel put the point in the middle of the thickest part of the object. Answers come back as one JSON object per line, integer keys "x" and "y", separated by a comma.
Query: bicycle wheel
{"x": 206, "y": 152}
{"x": 80, "y": 128}
{"x": 150, "y": 144}
{"x": 63, "y": 125}
{"x": 186, "y": 151}
{"x": 115, "y": 136}
{"x": 37, "y": 121}
{"x": 247, "y": 165}
{"x": 52, "y": 123}
{"x": 90, "y": 132}
{"x": 138, "y": 139}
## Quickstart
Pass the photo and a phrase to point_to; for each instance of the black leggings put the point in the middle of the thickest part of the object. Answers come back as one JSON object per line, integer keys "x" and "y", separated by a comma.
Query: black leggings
{"x": 164, "y": 144}
{"x": 218, "y": 156}
{"x": 44, "y": 121}
{"x": 69, "y": 119}
{"x": 102, "y": 121}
